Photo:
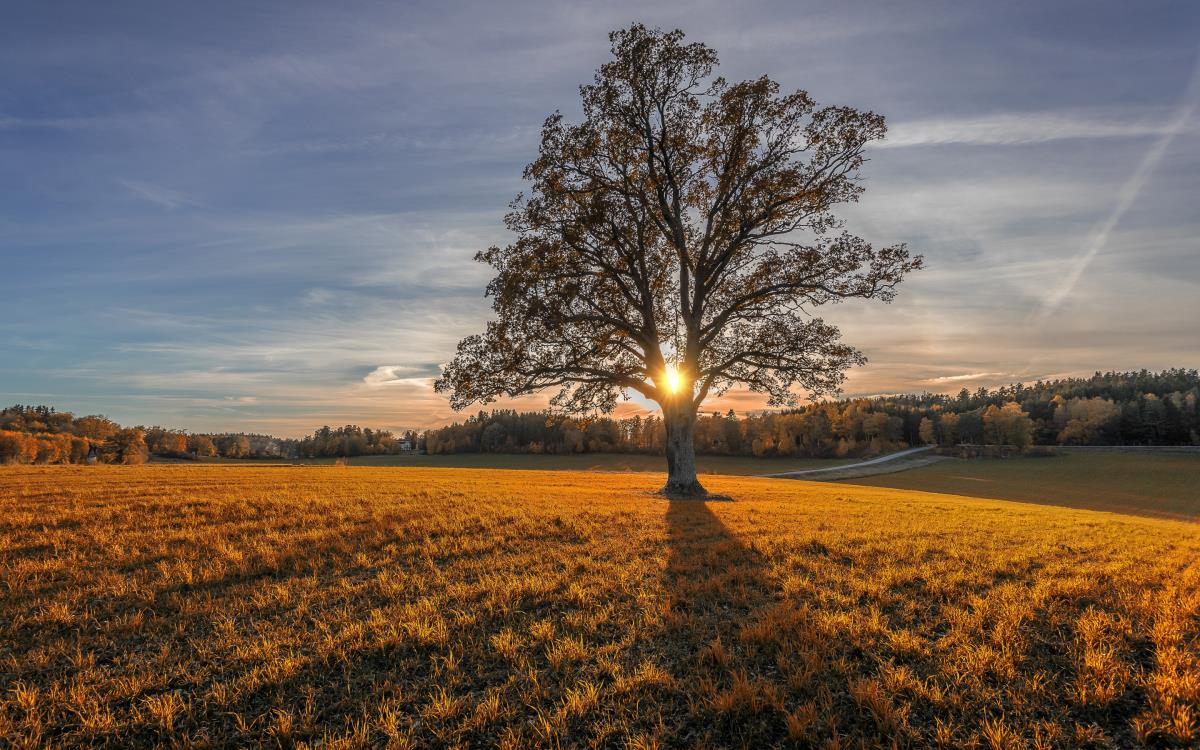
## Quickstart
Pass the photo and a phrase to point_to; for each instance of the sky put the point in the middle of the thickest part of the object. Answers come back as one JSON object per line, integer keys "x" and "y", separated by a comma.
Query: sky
{"x": 261, "y": 216}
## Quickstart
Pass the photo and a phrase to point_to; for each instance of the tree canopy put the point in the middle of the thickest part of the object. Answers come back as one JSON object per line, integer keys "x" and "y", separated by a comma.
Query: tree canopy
{"x": 687, "y": 221}
{"x": 675, "y": 242}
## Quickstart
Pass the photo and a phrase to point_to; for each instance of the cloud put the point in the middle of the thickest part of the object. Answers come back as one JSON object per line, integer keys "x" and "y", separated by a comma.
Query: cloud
{"x": 168, "y": 199}
{"x": 985, "y": 205}
{"x": 318, "y": 297}
{"x": 967, "y": 377}
{"x": 48, "y": 123}
{"x": 1011, "y": 129}
{"x": 393, "y": 375}
{"x": 1182, "y": 118}
{"x": 117, "y": 121}
{"x": 515, "y": 141}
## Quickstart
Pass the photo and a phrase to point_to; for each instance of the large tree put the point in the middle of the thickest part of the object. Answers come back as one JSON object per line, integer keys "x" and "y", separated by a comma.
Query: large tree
{"x": 675, "y": 243}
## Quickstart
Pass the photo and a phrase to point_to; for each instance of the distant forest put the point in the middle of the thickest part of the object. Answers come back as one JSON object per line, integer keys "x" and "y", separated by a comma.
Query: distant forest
{"x": 1113, "y": 408}
{"x": 39, "y": 434}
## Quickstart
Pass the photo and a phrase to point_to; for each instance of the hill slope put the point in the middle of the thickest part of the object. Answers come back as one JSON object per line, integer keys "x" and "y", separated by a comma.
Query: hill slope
{"x": 430, "y": 607}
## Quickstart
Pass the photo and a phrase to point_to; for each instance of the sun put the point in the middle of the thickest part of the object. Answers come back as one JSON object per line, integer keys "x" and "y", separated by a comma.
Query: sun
{"x": 674, "y": 379}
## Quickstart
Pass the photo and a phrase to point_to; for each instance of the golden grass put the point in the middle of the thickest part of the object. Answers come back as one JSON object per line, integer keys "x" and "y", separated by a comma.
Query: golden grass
{"x": 194, "y": 606}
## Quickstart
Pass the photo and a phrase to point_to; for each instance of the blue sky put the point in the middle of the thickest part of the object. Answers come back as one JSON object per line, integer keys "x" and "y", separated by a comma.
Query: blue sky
{"x": 262, "y": 215}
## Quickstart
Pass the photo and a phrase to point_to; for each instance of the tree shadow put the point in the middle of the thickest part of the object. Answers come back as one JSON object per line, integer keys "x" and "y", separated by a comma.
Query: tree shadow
{"x": 717, "y": 585}
{"x": 709, "y": 570}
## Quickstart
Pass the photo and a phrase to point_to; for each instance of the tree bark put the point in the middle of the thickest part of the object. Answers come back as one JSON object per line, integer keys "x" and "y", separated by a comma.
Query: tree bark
{"x": 680, "y": 420}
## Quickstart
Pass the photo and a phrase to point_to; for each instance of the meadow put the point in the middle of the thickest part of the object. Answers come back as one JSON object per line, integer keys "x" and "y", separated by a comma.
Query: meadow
{"x": 1161, "y": 484}
{"x": 207, "y": 606}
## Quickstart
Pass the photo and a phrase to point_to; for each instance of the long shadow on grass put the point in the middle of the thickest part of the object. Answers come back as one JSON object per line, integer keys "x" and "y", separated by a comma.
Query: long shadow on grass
{"x": 716, "y": 584}
{"x": 714, "y": 580}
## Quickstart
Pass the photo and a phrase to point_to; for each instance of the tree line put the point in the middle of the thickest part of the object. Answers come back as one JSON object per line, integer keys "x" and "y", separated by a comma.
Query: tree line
{"x": 353, "y": 440}
{"x": 40, "y": 434}
{"x": 1112, "y": 408}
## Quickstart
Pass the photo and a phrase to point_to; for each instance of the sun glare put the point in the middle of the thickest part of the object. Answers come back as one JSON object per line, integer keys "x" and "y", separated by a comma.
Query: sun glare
{"x": 674, "y": 380}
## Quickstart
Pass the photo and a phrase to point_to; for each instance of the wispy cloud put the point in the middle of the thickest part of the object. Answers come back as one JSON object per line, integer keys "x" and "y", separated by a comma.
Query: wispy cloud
{"x": 514, "y": 141}
{"x": 47, "y": 123}
{"x": 157, "y": 194}
{"x": 396, "y": 375}
{"x": 967, "y": 377}
{"x": 1182, "y": 118}
{"x": 1010, "y": 129}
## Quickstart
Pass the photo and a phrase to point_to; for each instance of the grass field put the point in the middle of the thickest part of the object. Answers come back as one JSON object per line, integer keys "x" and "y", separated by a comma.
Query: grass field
{"x": 358, "y": 607}
{"x": 621, "y": 462}
{"x": 1151, "y": 484}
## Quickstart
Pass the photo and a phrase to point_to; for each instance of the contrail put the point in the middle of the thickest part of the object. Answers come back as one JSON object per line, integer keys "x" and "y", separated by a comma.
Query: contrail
{"x": 1129, "y": 192}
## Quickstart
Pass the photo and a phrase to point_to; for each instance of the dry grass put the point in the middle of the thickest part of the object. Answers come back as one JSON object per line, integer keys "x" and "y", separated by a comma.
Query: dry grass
{"x": 192, "y": 606}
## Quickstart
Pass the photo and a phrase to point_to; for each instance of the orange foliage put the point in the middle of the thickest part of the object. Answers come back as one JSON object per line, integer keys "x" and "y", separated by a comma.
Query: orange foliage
{"x": 42, "y": 448}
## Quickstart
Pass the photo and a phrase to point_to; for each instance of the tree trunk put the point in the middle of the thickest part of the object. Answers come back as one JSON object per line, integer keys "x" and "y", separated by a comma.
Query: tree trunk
{"x": 680, "y": 421}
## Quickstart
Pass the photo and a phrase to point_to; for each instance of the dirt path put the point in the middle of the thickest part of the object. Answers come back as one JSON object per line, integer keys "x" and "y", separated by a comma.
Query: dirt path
{"x": 898, "y": 461}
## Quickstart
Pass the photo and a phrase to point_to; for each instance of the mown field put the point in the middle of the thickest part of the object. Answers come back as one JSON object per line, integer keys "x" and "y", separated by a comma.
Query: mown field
{"x": 1165, "y": 484}
{"x": 358, "y": 607}
{"x": 1145, "y": 483}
